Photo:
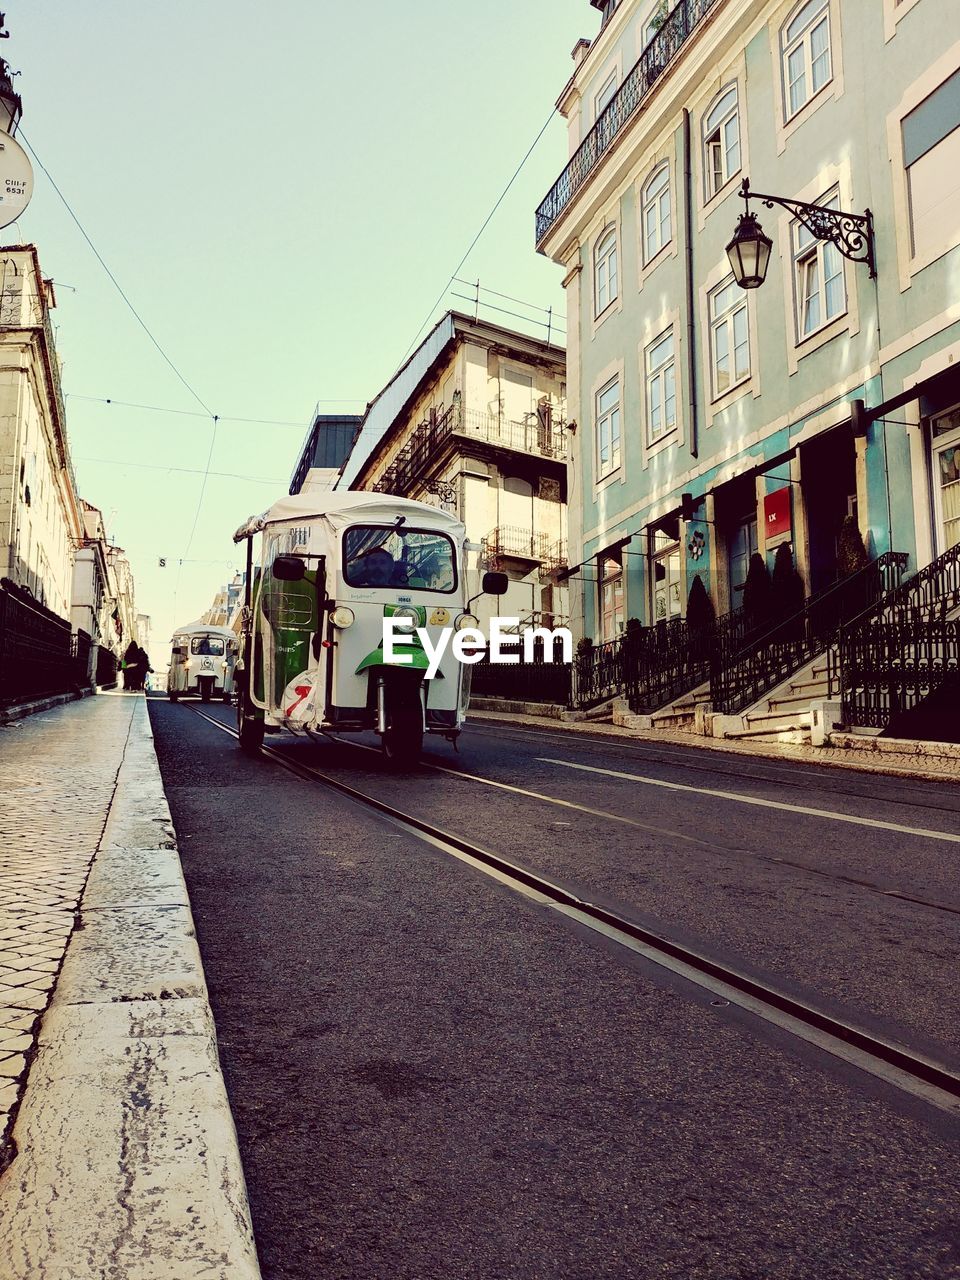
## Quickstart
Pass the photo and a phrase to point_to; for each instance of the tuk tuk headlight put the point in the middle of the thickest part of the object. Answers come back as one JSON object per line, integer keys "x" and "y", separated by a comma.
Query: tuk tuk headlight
{"x": 407, "y": 611}
{"x": 466, "y": 620}
{"x": 342, "y": 617}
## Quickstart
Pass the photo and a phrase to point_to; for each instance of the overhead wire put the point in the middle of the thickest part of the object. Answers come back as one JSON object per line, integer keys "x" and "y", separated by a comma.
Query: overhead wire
{"x": 192, "y": 413}
{"x": 486, "y": 222}
{"x": 194, "y": 471}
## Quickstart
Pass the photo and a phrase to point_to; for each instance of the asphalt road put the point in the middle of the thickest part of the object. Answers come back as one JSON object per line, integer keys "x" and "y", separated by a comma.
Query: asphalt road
{"x": 434, "y": 1077}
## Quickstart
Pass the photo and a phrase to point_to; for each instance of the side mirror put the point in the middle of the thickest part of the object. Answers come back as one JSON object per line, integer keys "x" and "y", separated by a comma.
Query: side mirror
{"x": 495, "y": 584}
{"x": 288, "y": 568}
{"x": 179, "y": 652}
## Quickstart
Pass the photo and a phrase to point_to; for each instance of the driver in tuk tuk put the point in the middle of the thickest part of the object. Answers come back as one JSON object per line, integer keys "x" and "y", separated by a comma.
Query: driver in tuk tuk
{"x": 375, "y": 568}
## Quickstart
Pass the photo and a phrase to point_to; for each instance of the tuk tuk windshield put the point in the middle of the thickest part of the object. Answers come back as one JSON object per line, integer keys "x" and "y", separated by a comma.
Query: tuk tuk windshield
{"x": 387, "y": 556}
{"x": 207, "y": 645}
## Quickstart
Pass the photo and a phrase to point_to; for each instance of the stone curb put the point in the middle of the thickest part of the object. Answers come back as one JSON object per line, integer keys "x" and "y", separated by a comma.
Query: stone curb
{"x": 18, "y": 710}
{"x": 128, "y": 1165}
{"x": 895, "y": 746}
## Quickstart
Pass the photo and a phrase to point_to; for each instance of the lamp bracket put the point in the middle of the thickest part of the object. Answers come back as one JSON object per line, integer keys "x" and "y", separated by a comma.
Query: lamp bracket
{"x": 851, "y": 233}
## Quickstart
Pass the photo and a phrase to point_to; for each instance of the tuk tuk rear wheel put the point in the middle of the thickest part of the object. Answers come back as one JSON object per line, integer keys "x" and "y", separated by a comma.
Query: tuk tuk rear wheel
{"x": 249, "y": 730}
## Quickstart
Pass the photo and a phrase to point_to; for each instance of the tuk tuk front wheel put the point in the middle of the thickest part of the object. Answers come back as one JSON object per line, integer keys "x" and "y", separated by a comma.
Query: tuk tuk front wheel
{"x": 172, "y": 696}
{"x": 206, "y": 689}
{"x": 403, "y": 739}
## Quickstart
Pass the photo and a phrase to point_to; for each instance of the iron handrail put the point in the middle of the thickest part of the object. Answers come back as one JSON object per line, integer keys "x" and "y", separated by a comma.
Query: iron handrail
{"x": 770, "y": 652}
{"x": 874, "y": 664}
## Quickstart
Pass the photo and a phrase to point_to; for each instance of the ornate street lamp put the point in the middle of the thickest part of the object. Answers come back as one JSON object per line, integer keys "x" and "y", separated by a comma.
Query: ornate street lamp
{"x": 749, "y": 250}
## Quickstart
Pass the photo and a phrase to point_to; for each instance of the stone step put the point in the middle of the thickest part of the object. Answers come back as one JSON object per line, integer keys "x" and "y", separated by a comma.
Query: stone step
{"x": 809, "y": 688}
{"x": 794, "y": 698}
{"x": 790, "y": 731}
{"x": 772, "y": 719}
{"x": 672, "y": 719}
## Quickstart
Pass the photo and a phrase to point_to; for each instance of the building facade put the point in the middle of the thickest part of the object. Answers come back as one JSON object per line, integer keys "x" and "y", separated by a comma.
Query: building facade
{"x": 326, "y": 447}
{"x": 40, "y": 515}
{"x": 474, "y": 422}
{"x": 684, "y": 383}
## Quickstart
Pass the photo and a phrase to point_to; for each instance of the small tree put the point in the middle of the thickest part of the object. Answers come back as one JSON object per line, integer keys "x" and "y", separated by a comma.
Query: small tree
{"x": 758, "y": 592}
{"x": 851, "y": 552}
{"x": 700, "y": 611}
{"x": 787, "y": 588}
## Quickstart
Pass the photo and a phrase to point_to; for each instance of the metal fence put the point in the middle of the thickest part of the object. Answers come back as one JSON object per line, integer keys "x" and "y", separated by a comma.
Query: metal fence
{"x": 537, "y": 681}
{"x": 893, "y": 655}
{"x": 106, "y": 668}
{"x": 749, "y": 663}
{"x": 39, "y": 654}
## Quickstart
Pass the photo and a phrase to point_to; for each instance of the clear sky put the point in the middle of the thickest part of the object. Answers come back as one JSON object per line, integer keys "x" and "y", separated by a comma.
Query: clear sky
{"x": 282, "y": 190}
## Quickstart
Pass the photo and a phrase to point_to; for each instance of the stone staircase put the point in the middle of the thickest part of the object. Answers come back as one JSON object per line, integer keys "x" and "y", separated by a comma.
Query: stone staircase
{"x": 782, "y": 715}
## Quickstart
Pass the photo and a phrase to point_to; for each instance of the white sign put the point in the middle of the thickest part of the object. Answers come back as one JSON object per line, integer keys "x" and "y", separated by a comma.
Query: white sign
{"x": 16, "y": 180}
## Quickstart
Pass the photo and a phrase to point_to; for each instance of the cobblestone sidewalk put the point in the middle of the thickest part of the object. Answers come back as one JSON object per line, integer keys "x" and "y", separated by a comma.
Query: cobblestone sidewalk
{"x": 58, "y": 773}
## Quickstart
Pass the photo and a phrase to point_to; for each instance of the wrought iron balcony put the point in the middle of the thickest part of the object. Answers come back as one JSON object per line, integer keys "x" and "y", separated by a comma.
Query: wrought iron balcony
{"x": 657, "y": 55}
{"x": 540, "y": 436}
{"x": 515, "y": 542}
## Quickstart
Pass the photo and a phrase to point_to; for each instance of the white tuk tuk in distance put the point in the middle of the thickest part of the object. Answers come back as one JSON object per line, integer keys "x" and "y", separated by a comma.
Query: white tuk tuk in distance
{"x": 333, "y": 566}
{"x": 202, "y": 659}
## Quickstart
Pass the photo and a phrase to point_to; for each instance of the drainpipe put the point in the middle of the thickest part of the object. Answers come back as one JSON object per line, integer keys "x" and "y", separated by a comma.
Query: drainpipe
{"x": 688, "y": 268}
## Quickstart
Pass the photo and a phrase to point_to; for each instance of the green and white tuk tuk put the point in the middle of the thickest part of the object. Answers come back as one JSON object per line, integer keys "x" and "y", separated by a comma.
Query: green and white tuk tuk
{"x": 332, "y": 567}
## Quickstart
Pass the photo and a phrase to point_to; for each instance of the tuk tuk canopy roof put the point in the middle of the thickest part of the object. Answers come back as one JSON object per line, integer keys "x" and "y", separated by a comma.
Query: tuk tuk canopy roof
{"x": 204, "y": 628}
{"x": 339, "y": 509}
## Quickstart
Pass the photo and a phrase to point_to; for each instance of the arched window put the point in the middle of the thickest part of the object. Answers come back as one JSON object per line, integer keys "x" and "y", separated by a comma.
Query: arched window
{"x": 807, "y": 64}
{"x": 721, "y": 140}
{"x": 605, "y": 270}
{"x": 655, "y": 213}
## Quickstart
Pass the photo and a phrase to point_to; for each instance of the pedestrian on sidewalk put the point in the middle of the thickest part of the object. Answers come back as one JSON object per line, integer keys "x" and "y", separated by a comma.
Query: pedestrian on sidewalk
{"x": 131, "y": 666}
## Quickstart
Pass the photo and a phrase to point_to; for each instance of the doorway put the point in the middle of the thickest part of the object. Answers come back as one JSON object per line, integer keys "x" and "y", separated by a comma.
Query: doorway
{"x": 828, "y": 471}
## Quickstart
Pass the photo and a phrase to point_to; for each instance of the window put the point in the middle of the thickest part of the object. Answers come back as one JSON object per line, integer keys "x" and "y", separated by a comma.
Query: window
{"x": 665, "y": 571}
{"x": 384, "y": 556}
{"x": 721, "y": 141}
{"x": 608, "y": 428}
{"x": 931, "y": 153}
{"x": 946, "y": 475}
{"x": 206, "y": 645}
{"x": 611, "y": 594}
{"x": 655, "y": 213}
{"x": 661, "y": 380}
{"x": 606, "y": 92}
{"x": 729, "y": 337}
{"x": 818, "y": 281}
{"x": 805, "y": 55}
{"x": 605, "y": 269}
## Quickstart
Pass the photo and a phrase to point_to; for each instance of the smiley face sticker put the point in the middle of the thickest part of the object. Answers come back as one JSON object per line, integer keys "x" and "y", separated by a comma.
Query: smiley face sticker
{"x": 440, "y": 617}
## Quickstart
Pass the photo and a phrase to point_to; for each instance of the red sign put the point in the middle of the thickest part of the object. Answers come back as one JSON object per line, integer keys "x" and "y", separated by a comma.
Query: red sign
{"x": 776, "y": 513}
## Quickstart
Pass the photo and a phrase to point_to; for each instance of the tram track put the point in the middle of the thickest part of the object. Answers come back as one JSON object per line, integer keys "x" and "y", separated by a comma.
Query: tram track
{"x": 713, "y": 846}
{"x": 895, "y": 1064}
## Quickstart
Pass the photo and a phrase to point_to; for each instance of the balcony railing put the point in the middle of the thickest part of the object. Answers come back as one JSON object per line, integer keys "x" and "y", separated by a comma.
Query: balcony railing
{"x": 677, "y": 28}
{"x": 516, "y": 542}
{"x": 542, "y": 436}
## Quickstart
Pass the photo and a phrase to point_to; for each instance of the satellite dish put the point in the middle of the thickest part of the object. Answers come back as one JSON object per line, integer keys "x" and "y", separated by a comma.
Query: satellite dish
{"x": 16, "y": 180}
